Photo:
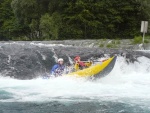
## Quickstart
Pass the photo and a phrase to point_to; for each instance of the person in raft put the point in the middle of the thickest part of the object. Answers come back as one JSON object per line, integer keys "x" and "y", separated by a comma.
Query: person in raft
{"x": 58, "y": 69}
{"x": 79, "y": 65}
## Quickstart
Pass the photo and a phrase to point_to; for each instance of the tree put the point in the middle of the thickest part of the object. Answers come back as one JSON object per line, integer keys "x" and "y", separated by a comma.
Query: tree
{"x": 7, "y": 21}
{"x": 50, "y": 25}
{"x": 72, "y": 19}
{"x": 145, "y": 9}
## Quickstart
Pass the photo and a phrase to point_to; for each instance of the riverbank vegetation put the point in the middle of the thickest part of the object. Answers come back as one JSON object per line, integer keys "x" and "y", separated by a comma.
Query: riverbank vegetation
{"x": 72, "y": 19}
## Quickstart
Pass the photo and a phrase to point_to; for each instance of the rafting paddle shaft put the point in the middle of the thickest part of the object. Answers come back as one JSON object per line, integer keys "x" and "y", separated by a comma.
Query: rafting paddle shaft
{"x": 95, "y": 61}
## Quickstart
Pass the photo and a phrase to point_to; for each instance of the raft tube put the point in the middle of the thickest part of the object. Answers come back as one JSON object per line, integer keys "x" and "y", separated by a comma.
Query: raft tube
{"x": 96, "y": 71}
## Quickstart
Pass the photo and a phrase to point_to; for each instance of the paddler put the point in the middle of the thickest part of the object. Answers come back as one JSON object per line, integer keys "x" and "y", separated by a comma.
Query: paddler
{"x": 79, "y": 65}
{"x": 58, "y": 69}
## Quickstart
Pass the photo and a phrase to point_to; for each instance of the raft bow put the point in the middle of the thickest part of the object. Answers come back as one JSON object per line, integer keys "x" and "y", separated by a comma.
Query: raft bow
{"x": 98, "y": 70}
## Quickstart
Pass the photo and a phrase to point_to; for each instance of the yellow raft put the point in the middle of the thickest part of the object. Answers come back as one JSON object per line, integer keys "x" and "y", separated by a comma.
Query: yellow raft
{"x": 97, "y": 70}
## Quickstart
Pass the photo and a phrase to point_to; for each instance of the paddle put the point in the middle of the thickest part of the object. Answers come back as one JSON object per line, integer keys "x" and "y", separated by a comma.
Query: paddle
{"x": 95, "y": 61}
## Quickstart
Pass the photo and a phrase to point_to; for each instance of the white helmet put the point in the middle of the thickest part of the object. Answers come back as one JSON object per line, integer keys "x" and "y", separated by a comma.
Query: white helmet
{"x": 60, "y": 59}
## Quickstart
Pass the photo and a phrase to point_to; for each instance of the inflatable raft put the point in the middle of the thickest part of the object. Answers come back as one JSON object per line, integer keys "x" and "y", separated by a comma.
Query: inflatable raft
{"x": 98, "y": 70}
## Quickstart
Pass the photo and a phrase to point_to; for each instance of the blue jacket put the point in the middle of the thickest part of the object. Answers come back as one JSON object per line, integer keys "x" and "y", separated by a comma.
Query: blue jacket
{"x": 57, "y": 69}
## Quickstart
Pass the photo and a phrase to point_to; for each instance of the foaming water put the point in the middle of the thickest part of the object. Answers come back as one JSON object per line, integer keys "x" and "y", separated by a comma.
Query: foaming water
{"x": 127, "y": 82}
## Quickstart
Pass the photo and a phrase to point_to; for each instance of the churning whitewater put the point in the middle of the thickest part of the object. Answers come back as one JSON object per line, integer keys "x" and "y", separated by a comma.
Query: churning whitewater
{"x": 127, "y": 82}
{"x": 23, "y": 89}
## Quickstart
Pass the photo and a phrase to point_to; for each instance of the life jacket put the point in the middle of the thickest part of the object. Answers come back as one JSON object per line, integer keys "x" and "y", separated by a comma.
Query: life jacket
{"x": 57, "y": 70}
{"x": 81, "y": 65}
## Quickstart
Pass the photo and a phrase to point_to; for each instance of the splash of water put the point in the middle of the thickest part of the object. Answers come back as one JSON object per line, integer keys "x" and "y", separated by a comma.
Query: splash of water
{"x": 125, "y": 82}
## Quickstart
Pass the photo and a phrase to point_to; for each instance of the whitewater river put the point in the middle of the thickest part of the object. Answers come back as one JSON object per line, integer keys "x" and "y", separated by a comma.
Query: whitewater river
{"x": 125, "y": 90}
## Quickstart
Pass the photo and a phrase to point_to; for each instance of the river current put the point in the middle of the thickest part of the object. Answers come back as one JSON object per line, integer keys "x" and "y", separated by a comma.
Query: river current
{"x": 125, "y": 90}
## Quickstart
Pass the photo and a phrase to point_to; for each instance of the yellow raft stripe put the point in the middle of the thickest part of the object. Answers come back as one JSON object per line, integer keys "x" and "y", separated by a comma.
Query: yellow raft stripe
{"x": 93, "y": 70}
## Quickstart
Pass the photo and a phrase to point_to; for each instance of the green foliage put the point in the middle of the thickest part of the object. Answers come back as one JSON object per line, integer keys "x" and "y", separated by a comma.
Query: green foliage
{"x": 146, "y": 41}
{"x": 118, "y": 42}
{"x": 101, "y": 45}
{"x": 7, "y": 26}
{"x": 111, "y": 45}
{"x": 147, "y": 37}
{"x": 71, "y": 19}
{"x": 24, "y": 38}
{"x": 50, "y": 25}
{"x": 137, "y": 40}
{"x": 45, "y": 25}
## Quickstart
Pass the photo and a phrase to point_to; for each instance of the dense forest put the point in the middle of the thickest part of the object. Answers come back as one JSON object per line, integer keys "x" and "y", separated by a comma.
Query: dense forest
{"x": 71, "y": 19}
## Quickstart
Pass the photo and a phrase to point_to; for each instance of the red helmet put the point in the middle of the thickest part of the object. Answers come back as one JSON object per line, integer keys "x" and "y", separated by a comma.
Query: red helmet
{"x": 76, "y": 58}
